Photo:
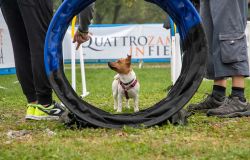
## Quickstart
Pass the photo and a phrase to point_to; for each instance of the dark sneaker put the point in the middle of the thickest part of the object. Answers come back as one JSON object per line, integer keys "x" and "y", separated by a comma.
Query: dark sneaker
{"x": 52, "y": 112}
{"x": 208, "y": 103}
{"x": 236, "y": 114}
{"x": 231, "y": 105}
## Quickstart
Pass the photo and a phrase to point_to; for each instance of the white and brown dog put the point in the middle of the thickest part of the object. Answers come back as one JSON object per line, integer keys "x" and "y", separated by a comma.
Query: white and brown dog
{"x": 125, "y": 84}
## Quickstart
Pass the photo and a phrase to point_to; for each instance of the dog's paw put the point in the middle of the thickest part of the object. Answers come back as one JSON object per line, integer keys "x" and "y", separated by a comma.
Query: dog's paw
{"x": 136, "y": 110}
{"x": 119, "y": 110}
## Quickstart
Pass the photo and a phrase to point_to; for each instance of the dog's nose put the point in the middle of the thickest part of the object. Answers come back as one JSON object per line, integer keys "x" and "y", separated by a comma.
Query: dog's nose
{"x": 109, "y": 64}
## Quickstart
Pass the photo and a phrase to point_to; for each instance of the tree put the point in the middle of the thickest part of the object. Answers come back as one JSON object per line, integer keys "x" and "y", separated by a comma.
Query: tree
{"x": 56, "y": 4}
{"x": 109, "y": 10}
{"x": 125, "y": 11}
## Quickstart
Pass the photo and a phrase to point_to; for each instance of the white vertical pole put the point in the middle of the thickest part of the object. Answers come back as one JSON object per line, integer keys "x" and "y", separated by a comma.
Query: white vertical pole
{"x": 84, "y": 86}
{"x": 176, "y": 62}
{"x": 140, "y": 64}
{"x": 178, "y": 59}
{"x": 173, "y": 54}
{"x": 73, "y": 65}
{"x": 73, "y": 55}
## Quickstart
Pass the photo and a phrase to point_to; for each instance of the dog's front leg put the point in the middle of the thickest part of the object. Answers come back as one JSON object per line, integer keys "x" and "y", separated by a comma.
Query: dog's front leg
{"x": 115, "y": 102}
{"x": 115, "y": 93}
{"x": 136, "y": 100}
{"x": 115, "y": 96}
{"x": 127, "y": 103}
{"x": 119, "y": 99}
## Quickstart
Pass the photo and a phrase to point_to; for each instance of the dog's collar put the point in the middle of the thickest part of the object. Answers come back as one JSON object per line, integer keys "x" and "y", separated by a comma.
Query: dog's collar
{"x": 128, "y": 86}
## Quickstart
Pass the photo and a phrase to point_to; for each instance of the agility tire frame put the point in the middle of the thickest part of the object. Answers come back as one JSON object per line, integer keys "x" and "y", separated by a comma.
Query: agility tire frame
{"x": 195, "y": 51}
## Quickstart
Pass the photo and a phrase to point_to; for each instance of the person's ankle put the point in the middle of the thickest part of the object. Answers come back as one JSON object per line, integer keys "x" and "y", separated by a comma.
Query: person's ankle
{"x": 219, "y": 92}
{"x": 34, "y": 102}
{"x": 238, "y": 92}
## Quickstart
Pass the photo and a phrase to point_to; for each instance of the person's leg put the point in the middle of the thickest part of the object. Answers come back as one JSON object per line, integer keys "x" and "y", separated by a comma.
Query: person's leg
{"x": 36, "y": 16}
{"x": 230, "y": 22}
{"x": 221, "y": 82}
{"x": 238, "y": 81}
{"x": 21, "y": 48}
{"x": 205, "y": 12}
{"x": 219, "y": 89}
{"x": 215, "y": 99}
{"x": 238, "y": 87}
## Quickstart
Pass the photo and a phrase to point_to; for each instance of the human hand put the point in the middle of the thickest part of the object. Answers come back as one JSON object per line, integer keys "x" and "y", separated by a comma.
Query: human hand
{"x": 80, "y": 38}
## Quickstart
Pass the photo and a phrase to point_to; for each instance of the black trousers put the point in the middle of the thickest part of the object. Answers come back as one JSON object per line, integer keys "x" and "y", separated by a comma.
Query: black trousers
{"x": 28, "y": 21}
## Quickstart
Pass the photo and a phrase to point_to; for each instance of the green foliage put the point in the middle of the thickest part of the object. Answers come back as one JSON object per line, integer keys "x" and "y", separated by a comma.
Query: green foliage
{"x": 56, "y": 4}
{"x": 125, "y": 11}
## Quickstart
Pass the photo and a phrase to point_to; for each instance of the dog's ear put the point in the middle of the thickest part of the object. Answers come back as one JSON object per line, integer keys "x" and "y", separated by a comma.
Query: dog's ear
{"x": 129, "y": 57}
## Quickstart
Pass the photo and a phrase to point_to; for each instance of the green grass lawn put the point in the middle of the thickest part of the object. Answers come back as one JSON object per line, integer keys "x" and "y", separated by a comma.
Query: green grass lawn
{"x": 203, "y": 138}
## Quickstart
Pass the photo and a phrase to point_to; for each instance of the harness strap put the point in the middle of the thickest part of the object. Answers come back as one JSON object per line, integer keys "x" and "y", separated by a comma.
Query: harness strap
{"x": 126, "y": 88}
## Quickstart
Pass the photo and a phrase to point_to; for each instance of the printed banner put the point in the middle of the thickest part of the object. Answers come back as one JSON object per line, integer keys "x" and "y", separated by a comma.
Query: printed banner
{"x": 147, "y": 41}
{"x": 6, "y": 51}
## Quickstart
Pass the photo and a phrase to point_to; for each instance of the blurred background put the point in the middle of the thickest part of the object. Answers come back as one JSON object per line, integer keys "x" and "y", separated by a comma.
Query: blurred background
{"x": 128, "y": 11}
{"x": 124, "y": 12}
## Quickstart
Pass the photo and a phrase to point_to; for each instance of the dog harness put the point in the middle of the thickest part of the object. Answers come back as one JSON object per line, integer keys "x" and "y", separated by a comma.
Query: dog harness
{"x": 127, "y": 86}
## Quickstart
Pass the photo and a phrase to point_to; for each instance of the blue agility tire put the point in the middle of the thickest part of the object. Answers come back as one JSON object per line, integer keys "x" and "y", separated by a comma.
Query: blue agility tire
{"x": 195, "y": 51}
